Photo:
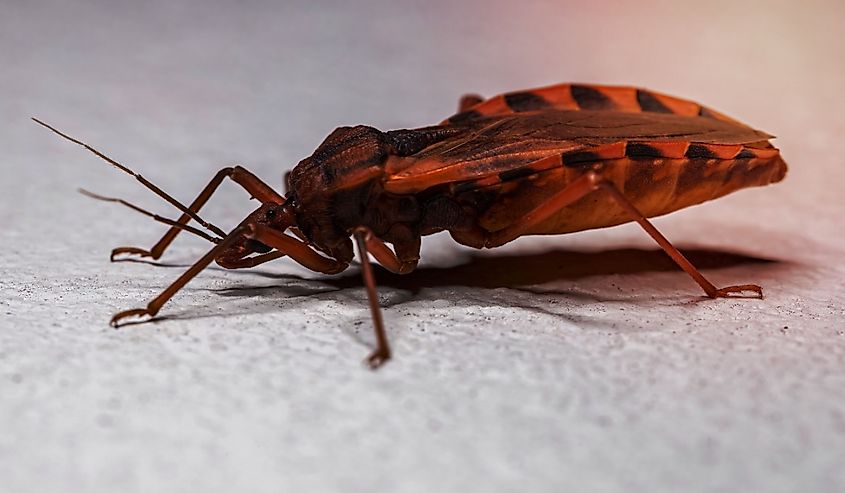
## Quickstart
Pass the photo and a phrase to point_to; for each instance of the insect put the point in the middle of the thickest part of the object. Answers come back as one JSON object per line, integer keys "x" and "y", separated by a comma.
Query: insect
{"x": 552, "y": 160}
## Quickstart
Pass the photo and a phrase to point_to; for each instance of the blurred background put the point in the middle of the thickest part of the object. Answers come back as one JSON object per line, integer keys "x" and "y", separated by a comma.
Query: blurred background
{"x": 595, "y": 381}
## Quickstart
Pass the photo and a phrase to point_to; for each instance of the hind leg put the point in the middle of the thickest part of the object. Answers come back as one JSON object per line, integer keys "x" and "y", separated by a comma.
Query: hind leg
{"x": 590, "y": 182}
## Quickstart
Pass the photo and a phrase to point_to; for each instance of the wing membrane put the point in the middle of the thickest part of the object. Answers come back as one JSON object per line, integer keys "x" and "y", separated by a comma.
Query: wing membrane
{"x": 508, "y": 143}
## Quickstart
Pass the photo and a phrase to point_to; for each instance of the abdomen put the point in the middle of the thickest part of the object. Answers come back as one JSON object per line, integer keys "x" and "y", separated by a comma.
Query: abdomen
{"x": 656, "y": 186}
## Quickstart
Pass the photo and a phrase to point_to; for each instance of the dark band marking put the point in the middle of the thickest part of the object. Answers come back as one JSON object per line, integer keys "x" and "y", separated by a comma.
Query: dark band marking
{"x": 698, "y": 151}
{"x": 648, "y": 102}
{"x": 691, "y": 175}
{"x": 525, "y": 101}
{"x": 640, "y": 180}
{"x": 579, "y": 159}
{"x": 737, "y": 168}
{"x": 745, "y": 154}
{"x": 514, "y": 174}
{"x": 407, "y": 142}
{"x": 329, "y": 173}
{"x": 588, "y": 98}
{"x": 638, "y": 150}
{"x": 755, "y": 175}
{"x": 465, "y": 116}
{"x": 464, "y": 186}
{"x": 705, "y": 112}
{"x": 256, "y": 246}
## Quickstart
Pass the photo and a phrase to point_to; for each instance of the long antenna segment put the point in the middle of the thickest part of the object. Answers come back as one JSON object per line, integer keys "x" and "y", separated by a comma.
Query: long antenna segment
{"x": 165, "y": 220}
{"x": 161, "y": 193}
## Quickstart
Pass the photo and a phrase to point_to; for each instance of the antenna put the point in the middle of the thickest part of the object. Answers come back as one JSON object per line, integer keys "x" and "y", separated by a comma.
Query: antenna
{"x": 161, "y": 193}
{"x": 170, "y": 222}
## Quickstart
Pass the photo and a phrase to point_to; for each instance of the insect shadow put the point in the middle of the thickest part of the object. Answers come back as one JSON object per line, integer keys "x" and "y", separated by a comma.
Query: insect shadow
{"x": 525, "y": 272}
{"x": 534, "y": 273}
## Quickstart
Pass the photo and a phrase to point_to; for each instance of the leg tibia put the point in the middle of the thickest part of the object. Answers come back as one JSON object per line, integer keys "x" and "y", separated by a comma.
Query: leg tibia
{"x": 591, "y": 182}
{"x": 251, "y": 183}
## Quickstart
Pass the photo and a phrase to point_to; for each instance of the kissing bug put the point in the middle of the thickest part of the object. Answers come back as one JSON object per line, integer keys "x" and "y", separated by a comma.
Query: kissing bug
{"x": 552, "y": 160}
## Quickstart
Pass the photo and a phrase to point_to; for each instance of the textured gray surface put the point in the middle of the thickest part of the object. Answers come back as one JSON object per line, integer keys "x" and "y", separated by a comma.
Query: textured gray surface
{"x": 582, "y": 362}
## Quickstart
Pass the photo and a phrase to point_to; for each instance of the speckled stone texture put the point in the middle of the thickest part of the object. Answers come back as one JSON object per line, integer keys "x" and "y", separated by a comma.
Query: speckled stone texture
{"x": 576, "y": 363}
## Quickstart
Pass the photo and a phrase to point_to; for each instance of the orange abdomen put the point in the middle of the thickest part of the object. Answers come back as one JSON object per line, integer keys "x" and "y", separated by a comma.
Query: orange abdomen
{"x": 656, "y": 186}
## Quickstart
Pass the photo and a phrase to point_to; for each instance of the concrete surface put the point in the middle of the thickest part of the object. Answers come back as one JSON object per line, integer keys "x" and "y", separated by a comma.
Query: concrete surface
{"x": 577, "y": 363}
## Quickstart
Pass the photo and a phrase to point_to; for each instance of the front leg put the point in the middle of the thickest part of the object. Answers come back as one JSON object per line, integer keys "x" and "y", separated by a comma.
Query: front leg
{"x": 285, "y": 245}
{"x": 251, "y": 183}
{"x": 155, "y": 305}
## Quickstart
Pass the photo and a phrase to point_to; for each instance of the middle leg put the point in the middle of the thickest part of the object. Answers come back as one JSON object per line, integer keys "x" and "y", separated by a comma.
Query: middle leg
{"x": 303, "y": 254}
{"x": 405, "y": 258}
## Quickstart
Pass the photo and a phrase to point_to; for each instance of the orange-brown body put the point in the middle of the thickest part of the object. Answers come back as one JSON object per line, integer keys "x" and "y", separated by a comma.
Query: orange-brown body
{"x": 487, "y": 167}
{"x": 546, "y": 161}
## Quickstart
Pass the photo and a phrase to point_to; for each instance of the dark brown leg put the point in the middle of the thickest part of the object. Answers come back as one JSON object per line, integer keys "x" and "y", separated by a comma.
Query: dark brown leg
{"x": 251, "y": 183}
{"x": 574, "y": 191}
{"x": 155, "y": 305}
{"x": 245, "y": 263}
{"x": 296, "y": 249}
{"x": 386, "y": 257}
{"x": 468, "y": 101}
{"x": 285, "y": 245}
{"x": 306, "y": 256}
{"x": 711, "y": 290}
{"x": 382, "y": 352}
{"x": 590, "y": 182}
